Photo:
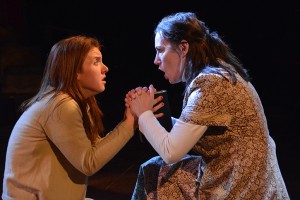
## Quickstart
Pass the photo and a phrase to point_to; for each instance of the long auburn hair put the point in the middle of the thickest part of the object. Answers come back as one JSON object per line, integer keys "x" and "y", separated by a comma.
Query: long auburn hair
{"x": 206, "y": 49}
{"x": 64, "y": 61}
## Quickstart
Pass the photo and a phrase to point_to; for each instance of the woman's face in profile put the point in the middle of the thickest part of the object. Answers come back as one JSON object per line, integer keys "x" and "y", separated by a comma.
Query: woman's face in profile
{"x": 169, "y": 60}
{"x": 91, "y": 78}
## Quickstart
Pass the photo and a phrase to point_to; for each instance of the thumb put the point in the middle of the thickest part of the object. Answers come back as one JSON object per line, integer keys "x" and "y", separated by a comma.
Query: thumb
{"x": 152, "y": 90}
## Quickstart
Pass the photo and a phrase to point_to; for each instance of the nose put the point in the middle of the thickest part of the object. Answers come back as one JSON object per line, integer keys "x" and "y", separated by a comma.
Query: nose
{"x": 156, "y": 60}
{"x": 105, "y": 69}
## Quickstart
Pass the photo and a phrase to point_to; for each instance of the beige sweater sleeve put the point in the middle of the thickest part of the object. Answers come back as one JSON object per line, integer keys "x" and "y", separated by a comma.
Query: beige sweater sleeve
{"x": 64, "y": 127}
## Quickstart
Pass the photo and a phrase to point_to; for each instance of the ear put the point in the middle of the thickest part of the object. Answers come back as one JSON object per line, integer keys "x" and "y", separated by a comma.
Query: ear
{"x": 184, "y": 47}
{"x": 78, "y": 76}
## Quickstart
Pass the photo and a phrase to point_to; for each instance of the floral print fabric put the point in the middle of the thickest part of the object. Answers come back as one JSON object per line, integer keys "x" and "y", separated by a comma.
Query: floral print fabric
{"x": 238, "y": 156}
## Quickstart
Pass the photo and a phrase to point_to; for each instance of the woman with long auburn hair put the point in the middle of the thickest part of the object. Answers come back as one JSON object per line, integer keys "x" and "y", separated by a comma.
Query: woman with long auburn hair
{"x": 57, "y": 144}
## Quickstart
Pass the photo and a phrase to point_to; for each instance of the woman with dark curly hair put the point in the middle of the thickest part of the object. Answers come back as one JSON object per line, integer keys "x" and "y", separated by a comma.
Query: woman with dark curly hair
{"x": 222, "y": 122}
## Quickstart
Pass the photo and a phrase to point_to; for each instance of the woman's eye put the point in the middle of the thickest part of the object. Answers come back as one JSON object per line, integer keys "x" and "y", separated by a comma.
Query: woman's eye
{"x": 97, "y": 61}
{"x": 159, "y": 50}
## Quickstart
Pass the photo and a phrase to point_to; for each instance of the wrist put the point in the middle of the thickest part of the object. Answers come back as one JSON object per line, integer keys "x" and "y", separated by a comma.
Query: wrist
{"x": 142, "y": 112}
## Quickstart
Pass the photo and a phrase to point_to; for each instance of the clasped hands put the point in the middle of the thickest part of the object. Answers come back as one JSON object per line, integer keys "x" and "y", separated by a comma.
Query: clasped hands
{"x": 142, "y": 99}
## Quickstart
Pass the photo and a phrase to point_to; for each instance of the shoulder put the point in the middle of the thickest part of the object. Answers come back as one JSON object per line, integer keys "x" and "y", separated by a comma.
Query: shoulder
{"x": 207, "y": 80}
{"x": 64, "y": 101}
{"x": 210, "y": 83}
{"x": 61, "y": 103}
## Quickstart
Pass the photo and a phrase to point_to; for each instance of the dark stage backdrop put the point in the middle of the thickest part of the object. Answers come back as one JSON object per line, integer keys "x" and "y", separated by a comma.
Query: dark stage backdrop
{"x": 263, "y": 34}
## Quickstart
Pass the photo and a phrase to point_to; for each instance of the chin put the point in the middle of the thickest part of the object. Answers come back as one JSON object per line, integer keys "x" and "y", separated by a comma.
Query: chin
{"x": 100, "y": 89}
{"x": 174, "y": 81}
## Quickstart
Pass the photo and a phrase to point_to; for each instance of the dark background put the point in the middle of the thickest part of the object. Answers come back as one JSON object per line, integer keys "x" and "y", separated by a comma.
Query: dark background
{"x": 263, "y": 34}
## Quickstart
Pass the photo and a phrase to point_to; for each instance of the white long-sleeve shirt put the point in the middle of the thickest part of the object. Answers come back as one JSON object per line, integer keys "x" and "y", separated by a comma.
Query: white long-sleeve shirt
{"x": 173, "y": 145}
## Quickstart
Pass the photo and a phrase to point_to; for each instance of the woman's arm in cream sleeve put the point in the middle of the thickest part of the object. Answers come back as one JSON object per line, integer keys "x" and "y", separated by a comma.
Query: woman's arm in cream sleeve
{"x": 65, "y": 129}
{"x": 174, "y": 145}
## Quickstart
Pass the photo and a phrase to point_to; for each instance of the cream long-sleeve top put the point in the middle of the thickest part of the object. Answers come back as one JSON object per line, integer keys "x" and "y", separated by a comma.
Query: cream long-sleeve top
{"x": 49, "y": 156}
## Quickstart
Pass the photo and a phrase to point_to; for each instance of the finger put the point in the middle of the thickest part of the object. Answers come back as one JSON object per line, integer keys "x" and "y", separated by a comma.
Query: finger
{"x": 142, "y": 91}
{"x": 158, "y": 115}
{"x": 132, "y": 94}
{"x": 157, "y": 107}
{"x": 152, "y": 90}
{"x": 127, "y": 105}
{"x": 127, "y": 102}
{"x": 132, "y": 91}
{"x": 158, "y": 99}
{"x": 138, "y": 90}
{"x": 145, "y": 89}
{"x": 128, "y": 97}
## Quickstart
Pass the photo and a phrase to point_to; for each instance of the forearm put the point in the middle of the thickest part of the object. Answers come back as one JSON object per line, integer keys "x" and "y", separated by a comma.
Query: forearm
{"x": 106, "y": 148}
{"x": 174, "y": 145}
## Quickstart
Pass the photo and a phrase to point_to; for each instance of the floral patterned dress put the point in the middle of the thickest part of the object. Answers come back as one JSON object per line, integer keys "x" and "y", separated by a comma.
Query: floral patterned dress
{"x": 234, "y": 159}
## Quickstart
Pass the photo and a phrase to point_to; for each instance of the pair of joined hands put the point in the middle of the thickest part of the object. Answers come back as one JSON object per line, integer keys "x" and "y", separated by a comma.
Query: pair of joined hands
{"x": 142, "y": 99}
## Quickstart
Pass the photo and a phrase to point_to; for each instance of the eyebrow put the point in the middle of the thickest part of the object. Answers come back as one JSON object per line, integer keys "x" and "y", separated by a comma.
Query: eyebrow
{"x": 97, "y": 57}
